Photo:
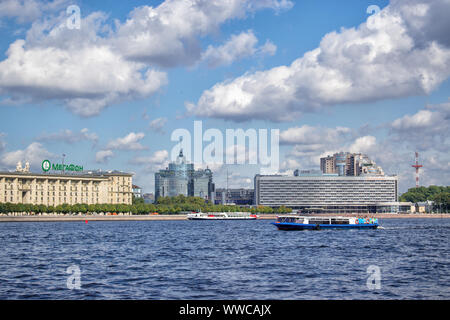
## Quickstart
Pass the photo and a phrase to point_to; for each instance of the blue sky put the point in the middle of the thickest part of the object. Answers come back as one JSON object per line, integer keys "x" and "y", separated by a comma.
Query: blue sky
{"x": 387, "y": 85}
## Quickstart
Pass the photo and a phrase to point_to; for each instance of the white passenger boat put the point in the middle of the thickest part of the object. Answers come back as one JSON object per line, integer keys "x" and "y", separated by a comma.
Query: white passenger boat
{"x": 293, "y": 222}
{"x": 222, "y": 216}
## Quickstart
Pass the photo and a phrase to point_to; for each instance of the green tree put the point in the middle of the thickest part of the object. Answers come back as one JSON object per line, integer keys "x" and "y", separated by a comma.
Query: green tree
{"x": 136, "y": 200}
{"x": 422, "y": 194}
{"x": 442, "y": 202}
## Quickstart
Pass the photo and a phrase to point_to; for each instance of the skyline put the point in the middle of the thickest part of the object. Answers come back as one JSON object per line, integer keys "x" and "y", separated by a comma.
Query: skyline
{"x": 331, "y": 77}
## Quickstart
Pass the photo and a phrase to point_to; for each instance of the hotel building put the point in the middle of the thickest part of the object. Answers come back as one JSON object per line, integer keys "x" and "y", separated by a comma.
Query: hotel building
{"x": 329, "y": 193}
{"x": 53, "y": 189}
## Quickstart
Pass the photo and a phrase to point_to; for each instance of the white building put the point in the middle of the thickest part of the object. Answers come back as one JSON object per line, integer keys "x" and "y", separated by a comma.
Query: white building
{"x": 329, "y": 193}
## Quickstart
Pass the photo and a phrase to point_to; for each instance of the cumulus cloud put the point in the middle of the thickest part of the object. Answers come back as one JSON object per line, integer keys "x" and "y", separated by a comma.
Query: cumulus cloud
{"x": 35, "y": 153}
{"x": 103, "y": 156}
{"x": 158, "y": 158}
{"x": 129, "y": 142}
{"x": 168, "y": 35}
{"x": 309, "y": 142}
{"x": 98, "y": 65}
{"x": 427, "y": 129}
{"x": 383, "y": 58}
{"x": 236, "y": 48}
{"x": 24, "y": 11}
{"x": 309, "y": 135}
{"x": 363, "y": 144}
{"x": 82, "y": 72}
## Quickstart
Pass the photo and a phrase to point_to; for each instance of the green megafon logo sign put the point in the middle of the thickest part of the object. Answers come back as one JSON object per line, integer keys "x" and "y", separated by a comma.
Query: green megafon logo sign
{"x": 47, "y": 166}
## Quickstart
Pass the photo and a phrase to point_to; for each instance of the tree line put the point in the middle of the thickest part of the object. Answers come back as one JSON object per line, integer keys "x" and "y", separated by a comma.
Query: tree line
{"x": 164, "y": 205}
{"x": 440, "y": 195}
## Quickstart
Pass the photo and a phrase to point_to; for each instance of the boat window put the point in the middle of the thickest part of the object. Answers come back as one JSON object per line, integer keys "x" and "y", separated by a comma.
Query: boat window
{"x": 319, "y": 221}
{"x": 339, "y": 221}
{"x": 286, "y": 220}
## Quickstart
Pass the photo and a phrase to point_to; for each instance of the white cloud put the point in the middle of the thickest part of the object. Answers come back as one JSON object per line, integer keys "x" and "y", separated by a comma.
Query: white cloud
{"x": 309, "y": 135}
{"x": 289, "y": 165}
{"x": 103, "y": 156}
{"x": 76, "y": 68}
{"x": 363, "y": 145}
{"x": 433, "y": 117}
{"x": 68, "y": 136}
{"x": 35, "y": 153}
{"x": 28, "y": 10}
{"x": 158, "y": 124}
{"x": 427, "y": 129}
{"x": 129, "y": 142}
{"x": 168, "y": 35}
{"x": 369, "y": 63}
{"x": 158, "y": 158}
{"x": 95, "y": 66}
{"x": 236, "y": 48}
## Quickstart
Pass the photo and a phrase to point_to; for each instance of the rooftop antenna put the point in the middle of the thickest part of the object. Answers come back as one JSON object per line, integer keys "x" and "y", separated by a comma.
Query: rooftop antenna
{"x": 417, "y": 166}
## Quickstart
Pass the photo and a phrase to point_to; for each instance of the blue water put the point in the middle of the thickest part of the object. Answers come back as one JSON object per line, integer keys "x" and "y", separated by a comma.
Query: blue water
{"x": 223, "y": 260}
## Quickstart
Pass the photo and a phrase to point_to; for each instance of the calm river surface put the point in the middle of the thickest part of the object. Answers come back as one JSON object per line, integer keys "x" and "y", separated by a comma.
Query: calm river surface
{"x": 223, "y": 260}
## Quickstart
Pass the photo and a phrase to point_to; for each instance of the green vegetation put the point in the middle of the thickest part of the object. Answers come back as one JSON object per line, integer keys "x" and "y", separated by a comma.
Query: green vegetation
{"x": 167, "y": 205}
{"x": 440, "y": 196}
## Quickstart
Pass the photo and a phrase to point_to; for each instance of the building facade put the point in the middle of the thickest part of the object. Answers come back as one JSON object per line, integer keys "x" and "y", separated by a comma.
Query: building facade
{"x": 202, "y": 184}
{"x": 328, "y": 164}
{"x": 180, "y": 178}
{"x": 53, "y": 189}
{"x": 240, "y": 197}
{"x": 349, "y": 164}
{"x": 137, "y": 191}
{"x": 328, "y": 193}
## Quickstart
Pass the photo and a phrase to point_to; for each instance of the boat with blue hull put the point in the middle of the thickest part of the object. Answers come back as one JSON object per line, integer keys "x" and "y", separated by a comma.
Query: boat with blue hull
{"x": 317, "y": 223}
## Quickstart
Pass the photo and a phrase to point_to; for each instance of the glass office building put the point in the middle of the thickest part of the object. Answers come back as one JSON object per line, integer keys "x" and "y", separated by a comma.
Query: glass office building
{"x": 180, "y": 178}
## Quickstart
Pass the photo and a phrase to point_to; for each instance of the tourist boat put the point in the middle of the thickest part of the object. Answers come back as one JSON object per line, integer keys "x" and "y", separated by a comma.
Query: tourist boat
{"x": 316, "y": 223}
{"x": 222, "y": 216}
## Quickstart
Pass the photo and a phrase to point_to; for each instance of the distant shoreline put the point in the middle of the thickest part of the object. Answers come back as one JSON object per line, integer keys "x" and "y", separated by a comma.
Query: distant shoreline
{"x": 94, "y": 218}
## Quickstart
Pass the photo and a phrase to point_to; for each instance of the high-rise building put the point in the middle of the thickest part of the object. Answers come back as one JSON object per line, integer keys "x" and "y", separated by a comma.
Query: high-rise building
{"x": 328, "y": 164}
{"x": 350, "y": 164}
{"x": 202, "y": 184}
{"x": 180, "y": 178}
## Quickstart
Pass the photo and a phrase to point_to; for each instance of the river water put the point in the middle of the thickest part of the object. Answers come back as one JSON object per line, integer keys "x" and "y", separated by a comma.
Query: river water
{"x": 408, "y": 259}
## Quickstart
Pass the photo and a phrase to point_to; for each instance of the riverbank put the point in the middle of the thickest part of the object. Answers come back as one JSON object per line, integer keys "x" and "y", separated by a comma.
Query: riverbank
{"x": 93, "y": 218}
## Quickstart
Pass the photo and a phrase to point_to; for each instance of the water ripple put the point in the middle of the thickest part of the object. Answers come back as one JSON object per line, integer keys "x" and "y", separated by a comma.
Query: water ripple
{"x": 223, "y": 260}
